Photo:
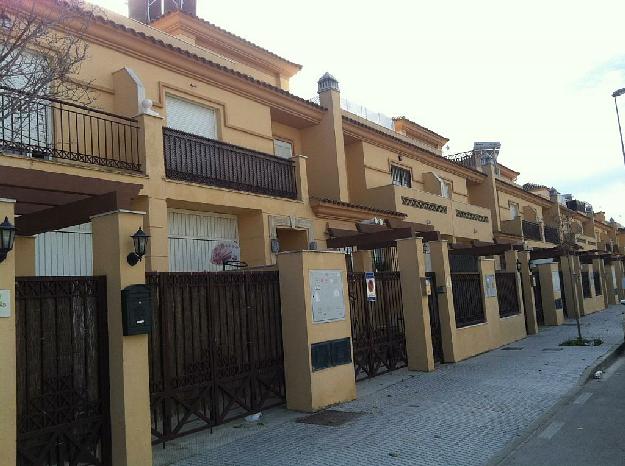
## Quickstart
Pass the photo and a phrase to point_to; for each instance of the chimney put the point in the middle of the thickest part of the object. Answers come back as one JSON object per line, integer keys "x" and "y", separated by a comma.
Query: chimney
{"x": 188, "y": 6}
{"x": 146, "y": 11}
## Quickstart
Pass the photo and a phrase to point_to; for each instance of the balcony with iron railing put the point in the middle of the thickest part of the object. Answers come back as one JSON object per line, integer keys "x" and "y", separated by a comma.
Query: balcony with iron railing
{"x": 50, "y": 129}
{"x": 552, "y": 234}
{"x": 214, "y": 163}
{"x": 531, "y": 230}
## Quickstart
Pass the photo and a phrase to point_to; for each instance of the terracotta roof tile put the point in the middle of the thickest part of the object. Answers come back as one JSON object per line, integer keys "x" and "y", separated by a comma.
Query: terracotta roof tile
{"x": 349, "y": 205}
{"x": 234, "y": 36}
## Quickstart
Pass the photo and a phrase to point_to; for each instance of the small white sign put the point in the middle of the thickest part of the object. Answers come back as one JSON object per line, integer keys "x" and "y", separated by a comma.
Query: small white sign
{"x": 326, "y": 287}
{"x": 491, "y": 286}
{"x": 5, "y": 303}
{"x": 555, "y": 278}
{"x": 370, "y": 282}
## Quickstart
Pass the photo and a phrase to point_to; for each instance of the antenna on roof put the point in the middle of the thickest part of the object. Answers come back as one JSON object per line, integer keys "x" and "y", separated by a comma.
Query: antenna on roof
{"x": 146, "y": 11}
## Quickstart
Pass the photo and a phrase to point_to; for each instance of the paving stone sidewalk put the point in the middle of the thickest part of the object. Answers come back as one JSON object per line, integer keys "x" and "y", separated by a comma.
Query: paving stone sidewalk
{"x": 460, "y": 414}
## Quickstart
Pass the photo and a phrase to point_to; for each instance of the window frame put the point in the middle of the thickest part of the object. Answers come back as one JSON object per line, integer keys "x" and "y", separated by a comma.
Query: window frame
{"x": 407, "y": 173}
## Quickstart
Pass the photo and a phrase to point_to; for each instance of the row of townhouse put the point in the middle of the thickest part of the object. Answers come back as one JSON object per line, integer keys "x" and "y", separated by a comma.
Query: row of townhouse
{"x": 287, "y": 172}
{"x": 194, "y": 136}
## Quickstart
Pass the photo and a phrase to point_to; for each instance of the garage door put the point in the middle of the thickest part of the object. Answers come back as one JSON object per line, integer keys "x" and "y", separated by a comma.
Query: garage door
{"x": 200, "y": 242}
{"x": 65, "y": 252}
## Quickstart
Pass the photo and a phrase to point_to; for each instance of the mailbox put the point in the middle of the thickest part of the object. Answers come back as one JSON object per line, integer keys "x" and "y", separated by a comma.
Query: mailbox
{"x": 330, "y": 353}
{"x": 136, "y": 310}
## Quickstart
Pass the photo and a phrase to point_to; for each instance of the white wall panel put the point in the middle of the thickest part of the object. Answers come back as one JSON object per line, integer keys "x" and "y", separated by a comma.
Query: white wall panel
{"x": 65, "y": 252}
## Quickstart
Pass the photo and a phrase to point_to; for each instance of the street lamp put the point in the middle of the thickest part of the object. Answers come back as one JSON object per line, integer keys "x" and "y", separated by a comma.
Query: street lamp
{"x": 616, "y": 94}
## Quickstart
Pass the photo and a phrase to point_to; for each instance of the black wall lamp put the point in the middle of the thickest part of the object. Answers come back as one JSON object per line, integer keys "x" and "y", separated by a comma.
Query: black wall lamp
{"x": 7, "y": 238}
{"x": 140, "y": 240}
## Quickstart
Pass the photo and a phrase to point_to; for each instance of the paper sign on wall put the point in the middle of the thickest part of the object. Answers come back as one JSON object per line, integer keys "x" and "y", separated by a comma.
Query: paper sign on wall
{"x": 428, "y": 287}
{"x": 5, "y": 303}
{"x": 491, "y": 286}
{"x": 326, "y": 287}
{"x": 370, "y": 282}
{"x": 555, "y": 278}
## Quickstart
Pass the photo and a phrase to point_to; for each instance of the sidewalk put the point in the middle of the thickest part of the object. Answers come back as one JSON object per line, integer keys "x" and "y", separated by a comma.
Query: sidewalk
{"x": 461, "y": 414}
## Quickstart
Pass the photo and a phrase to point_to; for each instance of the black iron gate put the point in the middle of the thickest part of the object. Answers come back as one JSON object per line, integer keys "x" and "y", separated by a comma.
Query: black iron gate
{"x": 62, "y": 371}
{"x": 538, "y": 299}
{"x": 378, "y": 338}
{"x": 435, "y": 318}
{"x": 215, "y": 349}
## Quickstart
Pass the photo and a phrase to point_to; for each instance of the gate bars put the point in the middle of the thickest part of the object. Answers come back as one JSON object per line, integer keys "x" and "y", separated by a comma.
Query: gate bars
{"x": 62, "y": 371}
{"x": 215, "y": 350}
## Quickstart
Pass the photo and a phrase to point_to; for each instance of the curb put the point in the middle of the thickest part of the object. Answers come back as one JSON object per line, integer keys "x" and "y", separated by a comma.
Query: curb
{"x": 601, "y": 363}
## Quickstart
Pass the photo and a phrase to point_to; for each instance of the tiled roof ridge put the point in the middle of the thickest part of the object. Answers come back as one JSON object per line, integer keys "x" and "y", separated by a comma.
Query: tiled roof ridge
{"x": 235, "y": 36}
{"x": 99, "y": 16}
{"x": 359, "y": 206}
{"x": 402, "y": 117}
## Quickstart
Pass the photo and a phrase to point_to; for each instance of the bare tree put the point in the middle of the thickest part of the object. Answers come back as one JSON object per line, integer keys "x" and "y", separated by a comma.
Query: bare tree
{"x": 42, "y": 47}
{"x": 568, "y": 245}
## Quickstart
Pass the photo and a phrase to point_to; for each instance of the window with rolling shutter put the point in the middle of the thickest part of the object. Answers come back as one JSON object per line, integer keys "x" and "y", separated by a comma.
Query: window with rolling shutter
{"x": 191, "y": 118}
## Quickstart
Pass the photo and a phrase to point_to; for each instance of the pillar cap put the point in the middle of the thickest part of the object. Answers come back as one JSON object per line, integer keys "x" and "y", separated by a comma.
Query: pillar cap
{"x": 327, "y": 82}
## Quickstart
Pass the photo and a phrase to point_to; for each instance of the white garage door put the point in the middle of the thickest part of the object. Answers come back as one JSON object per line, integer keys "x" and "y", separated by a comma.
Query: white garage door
{"x": 191, "y": 118}
{"x": 200, "y": 242}
{"x": 65, "y": 252}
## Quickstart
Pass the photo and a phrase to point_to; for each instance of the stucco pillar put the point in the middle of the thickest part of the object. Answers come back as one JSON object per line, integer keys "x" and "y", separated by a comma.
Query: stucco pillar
{"x": 128, "y": 355}
{"x": 599, "y": 266}
{"x": 8, "y": 401}
{"x": 415, "y": 304}
{"x": 25, "y": 265}
{"x": 301, "y": 177}
{"x": 151, "y": 153}
{"x": 156, "y": 225}
{"x": 529, "y": 305}
{"x": 325, "y": 146}
{"x": 440, "y": 267}
{"x": 552, "y": 315}
{"x": 362, "y": 261}
{"x": 307, "y": 389}
{"x": 254, "y": 238}
{"x": 619, "y": 279}
{"x": 610, "y": 274}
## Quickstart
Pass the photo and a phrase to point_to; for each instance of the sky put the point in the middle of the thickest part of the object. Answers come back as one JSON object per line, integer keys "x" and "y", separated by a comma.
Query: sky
{"x": 535, "y": 75}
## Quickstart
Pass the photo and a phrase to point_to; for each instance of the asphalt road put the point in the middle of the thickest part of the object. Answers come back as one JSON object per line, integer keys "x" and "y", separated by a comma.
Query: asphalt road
{"x": 588, "y": 430}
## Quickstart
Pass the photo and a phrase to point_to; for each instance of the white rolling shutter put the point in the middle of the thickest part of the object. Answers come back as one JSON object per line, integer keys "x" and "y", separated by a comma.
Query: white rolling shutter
{"x": 282, "y": 148}
{"x": 191, "y": 118}
{"x": 198, "y": 242}
{"x": 66, "y": 252}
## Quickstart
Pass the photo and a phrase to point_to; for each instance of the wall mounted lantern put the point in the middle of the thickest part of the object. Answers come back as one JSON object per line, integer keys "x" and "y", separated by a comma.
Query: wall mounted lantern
{"x": 518, "y": 265}
{"x": 140, "y": 240}
{"x": 7, "y": 238}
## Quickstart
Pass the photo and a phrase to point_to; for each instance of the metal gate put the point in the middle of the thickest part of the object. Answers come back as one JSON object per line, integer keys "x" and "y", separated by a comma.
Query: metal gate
{"x": 378, "y": 339}
{"x": 538, "y": 299}
{"x": 62, "y": 371}
{"x": 435, "y": 318}
{"x": 215, "y": 349}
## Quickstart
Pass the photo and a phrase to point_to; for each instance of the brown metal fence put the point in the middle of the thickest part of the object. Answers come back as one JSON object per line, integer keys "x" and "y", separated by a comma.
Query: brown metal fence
{"x": 215, "y": 349}
{"x": 62, "y": 371}
{"x": 468, "y": 304}
{"x": 507, "y": 294}
{"x": 378, "y": 338}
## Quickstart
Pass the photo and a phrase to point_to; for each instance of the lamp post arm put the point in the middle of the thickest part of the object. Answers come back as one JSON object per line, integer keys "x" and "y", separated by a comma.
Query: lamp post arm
{"x": 620, "y": 130}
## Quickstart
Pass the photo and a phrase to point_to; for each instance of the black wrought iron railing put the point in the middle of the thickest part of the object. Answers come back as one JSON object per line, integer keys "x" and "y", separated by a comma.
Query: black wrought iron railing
{"x": 531, "y": 230}
{"x": 201, "y": 160}
{"x": 466, "y": 159}
{"x": 507, "y": 296}
{"x": 47, "y": 128}
{"x": 468, "y": 305}
{"x": 552, "y": 234}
